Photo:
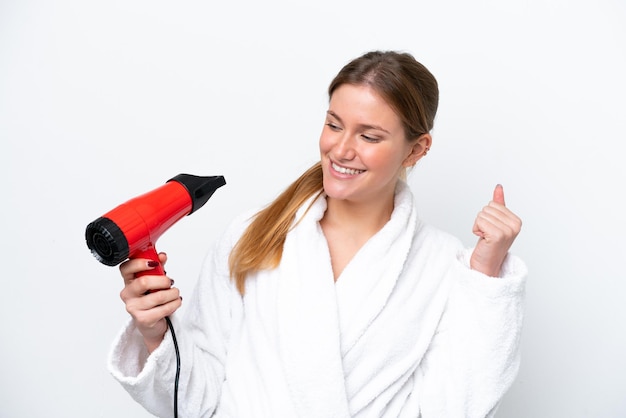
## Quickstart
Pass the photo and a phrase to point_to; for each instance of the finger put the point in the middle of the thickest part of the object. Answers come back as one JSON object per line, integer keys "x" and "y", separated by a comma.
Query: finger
{"x": 502, "y": 214}
{"x": 163, "y": 258}
{"x": 150, "y": 317}
{"x": 486, "y": 225}
{"x": 148, "y": 303}
{"x": 498, "y": 194}
{"x": 144, "y": 302}
{"x": 154, "y": 299}
{"x": 131, "y": 267}
{"x": 477, "y": 230}
{"x": 490, "y": 228}
{"x": 143, "y": 285}
{"x": 496, "y": 228}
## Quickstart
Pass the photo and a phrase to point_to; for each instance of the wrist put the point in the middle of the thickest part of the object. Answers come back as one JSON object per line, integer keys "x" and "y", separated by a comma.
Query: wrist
{"x": 153, "y": 336}
{"x": 488, "y": 269}
{"x": 152, "y": 344}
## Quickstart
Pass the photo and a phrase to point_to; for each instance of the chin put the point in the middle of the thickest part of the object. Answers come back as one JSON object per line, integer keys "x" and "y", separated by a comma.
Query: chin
{"x": 338, "y": 191}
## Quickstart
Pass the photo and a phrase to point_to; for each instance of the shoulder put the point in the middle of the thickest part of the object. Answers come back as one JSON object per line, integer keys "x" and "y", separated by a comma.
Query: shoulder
{"x": 230, "y": 235}
{"x": 427, "y": 235}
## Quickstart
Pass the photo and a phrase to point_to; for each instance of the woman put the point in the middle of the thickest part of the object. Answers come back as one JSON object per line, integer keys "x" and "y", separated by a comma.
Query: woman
{"x": 336, "y": 300}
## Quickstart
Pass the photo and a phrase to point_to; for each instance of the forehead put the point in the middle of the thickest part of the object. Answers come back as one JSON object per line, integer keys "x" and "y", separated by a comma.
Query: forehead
{"x": 362, "y": 104}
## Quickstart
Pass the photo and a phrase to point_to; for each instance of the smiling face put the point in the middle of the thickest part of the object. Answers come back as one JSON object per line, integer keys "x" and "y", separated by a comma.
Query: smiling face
{"x": 363, "y": 146}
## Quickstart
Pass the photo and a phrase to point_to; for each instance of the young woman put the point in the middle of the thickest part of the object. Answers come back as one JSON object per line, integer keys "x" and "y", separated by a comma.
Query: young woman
{"x": 336, "y": 300}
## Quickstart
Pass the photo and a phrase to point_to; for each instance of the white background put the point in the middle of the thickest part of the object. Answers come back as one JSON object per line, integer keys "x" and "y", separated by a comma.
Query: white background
{"x": 102, "y": 101}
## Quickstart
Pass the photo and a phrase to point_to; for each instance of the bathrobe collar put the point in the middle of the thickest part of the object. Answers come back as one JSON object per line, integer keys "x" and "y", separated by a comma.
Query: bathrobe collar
{"x": 320, "y": 320}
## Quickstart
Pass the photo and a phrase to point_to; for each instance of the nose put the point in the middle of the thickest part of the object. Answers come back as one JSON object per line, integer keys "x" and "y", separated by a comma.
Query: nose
{"x": 344, "y": 149}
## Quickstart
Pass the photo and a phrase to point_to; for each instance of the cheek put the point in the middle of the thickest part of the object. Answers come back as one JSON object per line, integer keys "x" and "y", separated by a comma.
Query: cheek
{"x": 324, "y": 143}
{"x": 389, "y": 164}
{"x": 382, "y": 159}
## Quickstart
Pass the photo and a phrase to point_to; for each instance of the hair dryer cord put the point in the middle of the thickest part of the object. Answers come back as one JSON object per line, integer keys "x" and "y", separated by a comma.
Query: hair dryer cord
{"x": 171, "y": 327}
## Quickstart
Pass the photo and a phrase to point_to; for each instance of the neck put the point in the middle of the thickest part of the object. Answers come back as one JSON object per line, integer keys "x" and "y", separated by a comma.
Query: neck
{"x": 348, "y": 225}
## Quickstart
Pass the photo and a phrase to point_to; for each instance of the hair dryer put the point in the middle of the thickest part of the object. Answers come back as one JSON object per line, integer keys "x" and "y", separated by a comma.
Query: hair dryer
{"x": 132, "y": 229}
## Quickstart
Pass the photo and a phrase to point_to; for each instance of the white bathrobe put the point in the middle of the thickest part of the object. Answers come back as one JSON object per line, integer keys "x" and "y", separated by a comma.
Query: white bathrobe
{"x": 408, "y": 330}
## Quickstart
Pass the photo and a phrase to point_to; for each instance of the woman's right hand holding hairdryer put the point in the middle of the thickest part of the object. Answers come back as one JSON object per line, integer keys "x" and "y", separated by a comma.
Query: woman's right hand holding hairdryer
{"x": 149, "y": 299}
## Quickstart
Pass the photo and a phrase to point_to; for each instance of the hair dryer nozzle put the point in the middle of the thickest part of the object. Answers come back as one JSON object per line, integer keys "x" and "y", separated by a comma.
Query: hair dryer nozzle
{"x": 200, "y": 188}
{"x": 107, "y": 241}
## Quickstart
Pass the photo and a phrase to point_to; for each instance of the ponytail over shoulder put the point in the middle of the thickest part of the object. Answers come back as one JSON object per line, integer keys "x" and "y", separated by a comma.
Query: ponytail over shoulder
{"x": 261, "y": 245}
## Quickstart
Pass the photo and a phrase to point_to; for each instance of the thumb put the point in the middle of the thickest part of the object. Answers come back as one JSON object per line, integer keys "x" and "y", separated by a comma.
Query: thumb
{"x": 498, "y": 194}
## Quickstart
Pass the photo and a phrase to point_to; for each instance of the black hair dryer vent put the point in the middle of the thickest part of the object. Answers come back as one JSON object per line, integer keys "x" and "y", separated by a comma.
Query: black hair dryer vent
{"x": 132, "y": 229}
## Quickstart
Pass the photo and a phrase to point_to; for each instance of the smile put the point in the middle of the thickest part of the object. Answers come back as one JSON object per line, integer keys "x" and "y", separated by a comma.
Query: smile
{"x": 344, "y": 170}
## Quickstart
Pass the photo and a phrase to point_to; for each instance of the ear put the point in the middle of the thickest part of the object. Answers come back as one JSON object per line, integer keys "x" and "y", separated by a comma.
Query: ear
{"x": 420, "y": 147}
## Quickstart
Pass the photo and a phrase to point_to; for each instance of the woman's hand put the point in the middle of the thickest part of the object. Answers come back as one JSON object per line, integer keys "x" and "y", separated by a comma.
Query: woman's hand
{"x": 149, "y": 299}
{"x": 496, "y": 226}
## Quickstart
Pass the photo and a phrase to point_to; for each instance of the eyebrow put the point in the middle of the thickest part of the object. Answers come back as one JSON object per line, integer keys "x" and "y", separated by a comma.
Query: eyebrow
{"x": 361, "y": 125}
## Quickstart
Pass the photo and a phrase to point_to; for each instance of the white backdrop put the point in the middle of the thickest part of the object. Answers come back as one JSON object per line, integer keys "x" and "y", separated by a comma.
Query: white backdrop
{"x": 102, "y": 101}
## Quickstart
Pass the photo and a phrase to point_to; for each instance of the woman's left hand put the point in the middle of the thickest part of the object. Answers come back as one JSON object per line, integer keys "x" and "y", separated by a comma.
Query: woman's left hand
{"x": 496, "y": 226}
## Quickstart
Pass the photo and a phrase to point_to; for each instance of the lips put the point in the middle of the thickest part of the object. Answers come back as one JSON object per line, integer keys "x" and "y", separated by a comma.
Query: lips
{"x": 346, "y": 170}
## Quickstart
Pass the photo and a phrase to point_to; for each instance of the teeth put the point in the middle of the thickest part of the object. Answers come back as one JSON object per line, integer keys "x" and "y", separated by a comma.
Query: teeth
{"x": 344, "y": 170}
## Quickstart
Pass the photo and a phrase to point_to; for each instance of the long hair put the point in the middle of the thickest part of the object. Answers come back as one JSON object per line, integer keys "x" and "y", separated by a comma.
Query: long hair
{"x": 406, "y": 85}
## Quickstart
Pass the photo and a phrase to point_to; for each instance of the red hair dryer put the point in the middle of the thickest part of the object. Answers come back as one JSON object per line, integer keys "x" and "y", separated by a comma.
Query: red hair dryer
{"x": 132, "y": 229}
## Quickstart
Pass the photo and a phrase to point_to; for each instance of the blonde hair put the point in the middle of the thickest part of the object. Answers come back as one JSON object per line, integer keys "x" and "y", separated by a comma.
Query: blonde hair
{"x": 406, "y": 85}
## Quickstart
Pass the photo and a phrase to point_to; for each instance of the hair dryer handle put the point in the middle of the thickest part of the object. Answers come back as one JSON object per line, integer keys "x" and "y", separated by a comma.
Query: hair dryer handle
{"x": 150, "y": 254}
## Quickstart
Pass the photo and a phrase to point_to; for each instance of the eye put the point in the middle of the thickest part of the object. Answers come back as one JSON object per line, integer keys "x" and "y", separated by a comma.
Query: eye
{"x": 372, "y": 139}
{"x": 333, "y": 127}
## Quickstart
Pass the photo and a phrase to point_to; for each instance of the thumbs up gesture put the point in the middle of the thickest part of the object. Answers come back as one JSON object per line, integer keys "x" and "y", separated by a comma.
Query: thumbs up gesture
{"x": 496, "y": 226}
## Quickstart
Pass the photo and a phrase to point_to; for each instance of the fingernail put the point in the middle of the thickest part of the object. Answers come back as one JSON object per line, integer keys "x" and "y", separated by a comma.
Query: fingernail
{"x": 181, "y": 298}
{"x": 152, "y": 264}
{"x": 171, "y": 282}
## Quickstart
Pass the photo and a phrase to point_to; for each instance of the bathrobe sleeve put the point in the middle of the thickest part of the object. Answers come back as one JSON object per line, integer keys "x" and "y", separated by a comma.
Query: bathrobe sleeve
{"x": 474, "y": 355}
{"x": 202, "y": 339}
